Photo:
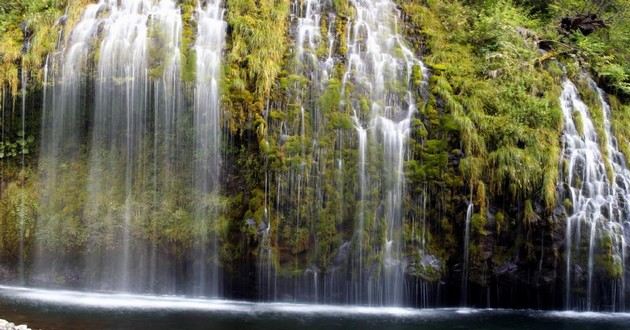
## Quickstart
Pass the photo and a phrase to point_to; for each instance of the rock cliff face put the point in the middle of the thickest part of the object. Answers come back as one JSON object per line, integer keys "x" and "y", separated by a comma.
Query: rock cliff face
{"x": 420, "y": 153}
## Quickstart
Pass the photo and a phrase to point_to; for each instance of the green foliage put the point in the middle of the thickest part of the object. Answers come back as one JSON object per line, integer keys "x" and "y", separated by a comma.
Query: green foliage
{"x": 22, "y": 145}
{"x": 188, "y": 35}
{"x": 254, "y": 58}
{"x": 340, "y": 120}
{"x": 18, "y": 212}
{"x": 36, "y": 18}
{"x": 596, "y": 112}
{"x": 489, "y": 130}
{"x": 331, "y": 97}
{"x": 34, "y": 22}
{"x": 620, "y": 120}
{"x": 158, "y": 51}
{"x": 609, "y": 260}
{"x": 499, "y": 100}
{"x": 606, "y": 50}
{"x": 494, "y": 107}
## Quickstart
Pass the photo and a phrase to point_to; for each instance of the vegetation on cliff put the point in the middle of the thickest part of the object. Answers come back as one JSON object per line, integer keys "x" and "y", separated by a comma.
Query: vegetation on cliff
{"x": 488, "y": 130}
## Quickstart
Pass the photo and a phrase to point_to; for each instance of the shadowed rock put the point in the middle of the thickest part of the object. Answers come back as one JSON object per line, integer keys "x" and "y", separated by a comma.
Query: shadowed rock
{"x": 585, "y": 23}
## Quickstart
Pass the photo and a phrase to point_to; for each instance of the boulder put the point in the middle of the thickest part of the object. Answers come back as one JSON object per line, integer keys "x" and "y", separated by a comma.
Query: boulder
{"x": 585, "y": 23}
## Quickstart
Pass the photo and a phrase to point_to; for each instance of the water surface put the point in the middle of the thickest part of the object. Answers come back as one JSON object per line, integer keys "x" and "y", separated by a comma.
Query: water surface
{"x": 56, "y": 309}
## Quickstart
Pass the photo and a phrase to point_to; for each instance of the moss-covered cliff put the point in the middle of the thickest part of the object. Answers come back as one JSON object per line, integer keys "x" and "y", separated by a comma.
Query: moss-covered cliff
{"x": 487, "y": 131}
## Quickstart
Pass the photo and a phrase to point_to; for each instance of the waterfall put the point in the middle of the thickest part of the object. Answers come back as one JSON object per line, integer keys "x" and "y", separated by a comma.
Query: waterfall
{"x": 619, "y": 209}
{"x": 135, "y": 160}
{"x": 140, "y": 43}
{"x": 465, "y": 270}
{"x": 308, "y": 31}
{"x": 377, "y": 57}
{"x": 359, "y": 268}
{"x": 115, "y": 93}
{"x": 597, "y": 197}
{"x": 367, "y": 268}
{"x": 207, "y": 122}
{"x": 63, "y": 117}
{"x": 302, "y": 180}
{"x": 22, "y": 134}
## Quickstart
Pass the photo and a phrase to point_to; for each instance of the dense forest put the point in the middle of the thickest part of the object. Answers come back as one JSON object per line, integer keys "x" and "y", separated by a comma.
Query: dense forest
{"x": 385, "y": 152}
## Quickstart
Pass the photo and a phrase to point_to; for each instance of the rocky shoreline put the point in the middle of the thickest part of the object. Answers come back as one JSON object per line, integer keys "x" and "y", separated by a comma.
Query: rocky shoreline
{"x": 6, "y": 325}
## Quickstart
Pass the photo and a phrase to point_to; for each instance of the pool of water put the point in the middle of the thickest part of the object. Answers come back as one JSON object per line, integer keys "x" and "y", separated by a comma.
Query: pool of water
{"x": 69, "y": 310}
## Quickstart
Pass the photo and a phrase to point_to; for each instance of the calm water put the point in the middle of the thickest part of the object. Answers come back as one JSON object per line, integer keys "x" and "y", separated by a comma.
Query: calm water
{"x": 68, "y": 310}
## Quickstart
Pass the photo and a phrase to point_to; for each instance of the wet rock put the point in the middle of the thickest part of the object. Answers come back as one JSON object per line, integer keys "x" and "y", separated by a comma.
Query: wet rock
{"x": 546, "y": 45}
{"x": 507, "y": 268}
{"x": 27, "y": 31}
{"x": 283, "y": 139}
{"x": 343, "y": 253}
{"x": 428, "y": 268}
{"x": 494, "y": 74}
{"x": 430, "y": 261}
{"x": 585, "y": 23}
{"x": 6, "y": 325}
{"x": 487, "y": 243}
{"x": 6, "y": 273}
{"x": 62, "y": 20}
{"x": 312, "y": 270}
{"x": 579, "y": 272}
{"x": 527, "y": 34}
{"x": 262, "y": 227}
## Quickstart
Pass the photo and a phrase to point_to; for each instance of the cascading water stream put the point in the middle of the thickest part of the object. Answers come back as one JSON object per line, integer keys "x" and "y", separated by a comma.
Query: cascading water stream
{"x": 302, "y": 180}
{"x": 597, "y": 202}
{"x": 308, "y": 31}
{"x": 117, "y": 84}
{"x": 619, "y": 209}
{"x": 465, "y": 270}
{"x": 62, "y": 119}
{"x": 586, "y": 178}
{"x": 22, "y": 216}
{"x": 131, "y": 167}
{"x": 377, "y": 57}
{"x": 362, "y": 135}
{"x": 125, "y": 66}
{"x": 207, "y": 122}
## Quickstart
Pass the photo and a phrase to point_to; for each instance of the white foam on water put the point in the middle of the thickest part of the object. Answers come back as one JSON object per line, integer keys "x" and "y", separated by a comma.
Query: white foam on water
{"x": 179, "y": 303}
{"x": 122, "y": 301}
{"x": 467, "y": 310}
{"x": 587, "y": 315}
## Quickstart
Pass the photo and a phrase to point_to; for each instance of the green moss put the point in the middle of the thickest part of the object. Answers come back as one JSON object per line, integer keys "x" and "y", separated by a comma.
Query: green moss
{"x": 607, "y": 259}
{"x": 38, "y": 17}
{"x": 500, "y": 222}
{"x": 331, "y": 97}
{"x": 158, "y": 52}
{"x": 19, "y": 202}
{"x": 187, "y": 53}
{"x": 579, "y": 123}
{"x": 621, "y": 116}
{"x": 340, "y": 120}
